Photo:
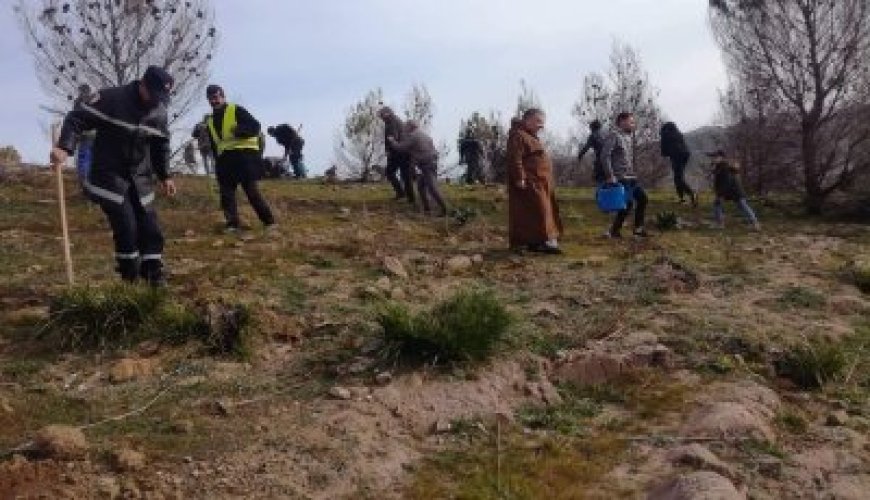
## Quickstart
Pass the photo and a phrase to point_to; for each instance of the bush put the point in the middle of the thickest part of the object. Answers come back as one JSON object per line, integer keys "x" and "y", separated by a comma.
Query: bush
{"x": 466, "y": 328}
{"x": 813, "y": 365}
{"x": 802, "y": 298}
{"x": 860, "y": 277}
{"x": 667, "y": 221}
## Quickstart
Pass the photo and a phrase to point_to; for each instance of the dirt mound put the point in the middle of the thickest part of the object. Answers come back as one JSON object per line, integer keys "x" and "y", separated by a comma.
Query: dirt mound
{"x": 61, "y": 442}
{"x": 735, "y": 410}
{"x": 611, "y": 359}
{"x": 697, "y": 486}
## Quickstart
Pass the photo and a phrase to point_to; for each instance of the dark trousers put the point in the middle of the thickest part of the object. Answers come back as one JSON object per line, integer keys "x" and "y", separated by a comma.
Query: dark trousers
{"x": 638, "y": 202}
{"x": 241, "y": 168}
{"x": 400, "y": 173}
{"x": 137, "y": 235}
{"x": 679, "y": 167}
{"x": 474, "y": 174}
{"x": 427, "y": 185}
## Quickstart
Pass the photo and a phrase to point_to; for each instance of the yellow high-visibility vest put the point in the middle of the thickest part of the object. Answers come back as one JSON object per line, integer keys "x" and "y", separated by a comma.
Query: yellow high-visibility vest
{"x": 226, "y": 141}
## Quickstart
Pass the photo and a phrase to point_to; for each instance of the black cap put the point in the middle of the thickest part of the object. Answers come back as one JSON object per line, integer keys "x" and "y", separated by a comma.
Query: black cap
{"x": 158, "y": 82}
{"x": 213, "y": 89}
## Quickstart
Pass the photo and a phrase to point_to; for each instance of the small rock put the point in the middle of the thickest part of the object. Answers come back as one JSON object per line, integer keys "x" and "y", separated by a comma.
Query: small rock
{"x": 6, "y": 407}
{"x": 394, "y": 267}
{"x": 697, "y": 486}
{"x": 223, "y": 408}
{"x": 190, "y": 233}
{"x": 701, "y": 458}
{"x": 459, "y": 263}
{"x": 108, "y": 487}
{"x": 398, "y": 294}
{"x": 545, "y": 309}
{"x": 61, "y": 442}
{"x": 128, "y": 460}
{"x": 340, "y": 393}
{"x": 182, "y": 427}
{"x": 443, "y": 427}
{"x": 837, "y": 419}
{"x": 384, "y": 378}
{"x": 246, "y": 237}
{"x": 477, "y": 259}
{"x": 129, "y": 369}
{"x": 148, "y": 348}
{"x": 384, "y": 284}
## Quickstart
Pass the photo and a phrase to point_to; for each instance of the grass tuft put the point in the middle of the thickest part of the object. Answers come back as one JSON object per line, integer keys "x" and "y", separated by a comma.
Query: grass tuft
{"x": 812, "y": 365}
{"x": 465, "y": 328}
{"x": 667, "y": 221}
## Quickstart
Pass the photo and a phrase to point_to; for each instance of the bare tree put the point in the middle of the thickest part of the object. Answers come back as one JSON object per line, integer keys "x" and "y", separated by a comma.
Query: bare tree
{"x": 419, "y": 106}
{"x": 111, "y": 42}
{"x": 492, "y": 135}
{"x": 626, "y": 88}
{"x": 359, "y": 146}
{"x": 815, "y": 57}
{"x": 527, "y": 99}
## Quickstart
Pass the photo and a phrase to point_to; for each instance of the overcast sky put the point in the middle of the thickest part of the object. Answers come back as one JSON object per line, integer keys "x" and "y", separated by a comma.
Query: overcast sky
{"x": 306, "y": 62}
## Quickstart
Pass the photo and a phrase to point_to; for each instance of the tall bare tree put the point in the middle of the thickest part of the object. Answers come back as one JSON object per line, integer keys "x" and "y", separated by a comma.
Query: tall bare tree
{"x": 359, "y": 146}
{"x": 815, "y": 57}
{"x": 625, "y": 88}
{"x": 106, "y": 43}
{"x": 527, "y": 99}
{"x": 492, "y": 134}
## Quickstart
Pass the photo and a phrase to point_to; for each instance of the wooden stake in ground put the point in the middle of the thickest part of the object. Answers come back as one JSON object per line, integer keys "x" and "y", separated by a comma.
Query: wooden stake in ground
{"x": 61, "y": 201}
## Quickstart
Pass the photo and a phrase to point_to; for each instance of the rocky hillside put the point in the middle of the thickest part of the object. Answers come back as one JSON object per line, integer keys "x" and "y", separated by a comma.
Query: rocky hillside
{"x": 700, "y": 363}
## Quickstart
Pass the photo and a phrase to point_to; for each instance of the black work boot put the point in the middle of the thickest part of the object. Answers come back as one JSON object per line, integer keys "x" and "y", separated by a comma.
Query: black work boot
{"x": 152, "y": 272}
{"x": 128, "y": 269}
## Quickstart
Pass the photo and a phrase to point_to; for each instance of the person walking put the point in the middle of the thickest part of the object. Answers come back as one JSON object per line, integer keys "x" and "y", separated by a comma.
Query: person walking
{"x": 533, "y": 214}
{"x": 421, "y": 151}
{"x": 727, "y": 186}
{"x": 471, "y": 155}
{"x": 595, "y": 142}
{"x": 131, "y": 146}
{"x": 292, "y": 142}
{"x": 203, "y": 144}
{"x": 673, "y": 147}
{"x": 398, "y": 163}
{"x": 236, "y": 143}
{"x": 618, "y": 165}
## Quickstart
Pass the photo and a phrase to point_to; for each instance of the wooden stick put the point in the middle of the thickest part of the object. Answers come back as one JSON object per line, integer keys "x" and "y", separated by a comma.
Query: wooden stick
{"x": 61, "y": 200}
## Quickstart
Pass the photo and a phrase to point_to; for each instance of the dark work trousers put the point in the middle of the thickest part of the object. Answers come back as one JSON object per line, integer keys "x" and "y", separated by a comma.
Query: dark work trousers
{"x": 392, "y": 175}
{"x": 241, "y": 168}
{"x": 207, "y": 161}
{"x": 137, "y": 235}
{"x": 474, "y": 174}
{"x": 637, "y": 201}
{"x": 679, "y": 167}
{"x": 427, "y": 185}
{"x": 406, "y": 170}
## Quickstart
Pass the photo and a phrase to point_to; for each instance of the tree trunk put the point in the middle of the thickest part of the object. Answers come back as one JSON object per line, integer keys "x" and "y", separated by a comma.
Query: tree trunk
{"x": 814, "y": 196}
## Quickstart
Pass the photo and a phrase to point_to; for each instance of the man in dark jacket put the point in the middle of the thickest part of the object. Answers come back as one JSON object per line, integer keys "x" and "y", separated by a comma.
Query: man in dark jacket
{"x": 235, "y": 139}
{"x": 471, "y": 154}
{"x": 292, "y": 142}
{"x": 594, "y": 142}
{"x": 131, "y": 145}
{"x": 397, "y": 161}
{"x": 203, "y": 144}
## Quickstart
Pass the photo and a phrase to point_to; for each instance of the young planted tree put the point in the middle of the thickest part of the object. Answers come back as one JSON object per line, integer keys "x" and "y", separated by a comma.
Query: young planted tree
{"x": 492, "y": 134}
{"x": 625, "y": 88}
{"x": 111, "y": 42}
{"x": 815, "y": 57}
{"x": 359, "y": 147}
{"x": 419, "y": 106}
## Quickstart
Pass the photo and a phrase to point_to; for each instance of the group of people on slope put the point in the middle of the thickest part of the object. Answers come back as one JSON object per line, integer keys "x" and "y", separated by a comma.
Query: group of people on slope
{"x": 534, "y": 222}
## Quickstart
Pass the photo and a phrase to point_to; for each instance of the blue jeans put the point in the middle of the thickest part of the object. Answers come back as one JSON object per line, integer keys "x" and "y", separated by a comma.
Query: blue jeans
{"x": 719, "y": 211}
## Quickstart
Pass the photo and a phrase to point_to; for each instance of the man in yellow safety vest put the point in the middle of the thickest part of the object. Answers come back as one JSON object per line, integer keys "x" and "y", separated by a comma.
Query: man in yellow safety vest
{"x": 235, "y": 141}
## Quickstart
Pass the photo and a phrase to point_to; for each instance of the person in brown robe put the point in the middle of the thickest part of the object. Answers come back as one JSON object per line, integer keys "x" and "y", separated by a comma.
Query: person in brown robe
{"x": 533, "y": 215}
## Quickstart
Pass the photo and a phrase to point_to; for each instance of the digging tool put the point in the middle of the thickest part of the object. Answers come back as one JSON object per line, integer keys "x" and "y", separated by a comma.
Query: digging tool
{"x": 61, "y": 201}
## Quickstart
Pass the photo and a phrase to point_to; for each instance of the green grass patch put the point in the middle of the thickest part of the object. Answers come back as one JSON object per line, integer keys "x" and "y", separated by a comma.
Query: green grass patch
{"x": 466, "y": 328}
{"x": 666, "y": 221}
{"x": 812, "y": 365}
{"x": 797, "y": 297}
{"x": 566, "y": 418}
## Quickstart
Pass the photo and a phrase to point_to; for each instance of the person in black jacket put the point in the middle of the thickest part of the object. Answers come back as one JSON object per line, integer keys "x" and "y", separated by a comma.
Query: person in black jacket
{"x": 397, "y": 161}
{"x": 292, "y": 143}
{"x": 471, "y": 154}
{"x": 594, "y": 142}
{"x": 673, "y": 146}
{"x": 131, "y": 145}
{"x": 727, "y": 186}
{"x": 236, "y": 142}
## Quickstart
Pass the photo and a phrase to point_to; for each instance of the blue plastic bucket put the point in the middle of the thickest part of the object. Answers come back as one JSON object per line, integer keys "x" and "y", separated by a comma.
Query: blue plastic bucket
{"x": 611, "y": 197}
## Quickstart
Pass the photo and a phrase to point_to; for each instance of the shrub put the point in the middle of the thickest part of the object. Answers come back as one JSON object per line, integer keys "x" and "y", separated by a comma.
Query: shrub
{"x": 465, "y": 328}
{"x": 812, "y": 365}
{"x": 860, "y": 277}
{"x": 230, "y": 330}
{"x": 667, "y": 221}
